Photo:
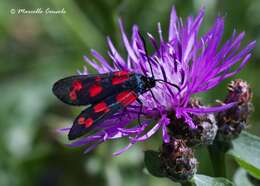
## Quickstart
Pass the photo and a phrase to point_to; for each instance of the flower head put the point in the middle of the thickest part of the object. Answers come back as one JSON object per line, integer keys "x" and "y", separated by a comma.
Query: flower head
{"x": 205, "y": 131}
{"x": 195, "y": 64}
{"x": 177, "y": 161}
{"x": 232, "y": 121}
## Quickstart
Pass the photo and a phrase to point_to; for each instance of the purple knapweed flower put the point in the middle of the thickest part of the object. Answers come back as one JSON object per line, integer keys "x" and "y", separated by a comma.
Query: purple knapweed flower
{"x": 195, "y": 64}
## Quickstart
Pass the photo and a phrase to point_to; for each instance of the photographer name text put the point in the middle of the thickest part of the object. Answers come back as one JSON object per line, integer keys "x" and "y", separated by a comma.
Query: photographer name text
{"x": 38, "y": 11}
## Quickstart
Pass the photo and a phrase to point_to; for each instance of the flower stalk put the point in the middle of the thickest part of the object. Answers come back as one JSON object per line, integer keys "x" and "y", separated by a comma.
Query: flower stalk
{"x": 230, "y": 123}
{"x": 217, "y": 157}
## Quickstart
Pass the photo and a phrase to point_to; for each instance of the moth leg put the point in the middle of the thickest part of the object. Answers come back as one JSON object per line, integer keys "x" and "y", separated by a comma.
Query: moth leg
{"x": 154, "y": 96}
{"x": 140, "y": 112}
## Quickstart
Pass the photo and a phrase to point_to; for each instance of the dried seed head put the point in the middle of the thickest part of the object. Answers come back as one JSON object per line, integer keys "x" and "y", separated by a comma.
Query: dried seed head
{"x": 177, "y": 161}
{"x": 240, "y": 91}
{"x": 205, "y": 132}
{"x": 232, "y": 121}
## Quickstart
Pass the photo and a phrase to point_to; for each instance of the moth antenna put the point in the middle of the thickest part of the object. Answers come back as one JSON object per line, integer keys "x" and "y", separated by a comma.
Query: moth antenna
{"x": 172, "y": 84}
{"x": 146, "y": 53}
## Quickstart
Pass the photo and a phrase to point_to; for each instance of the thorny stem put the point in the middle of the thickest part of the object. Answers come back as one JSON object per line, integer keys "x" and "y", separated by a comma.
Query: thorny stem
{"x": 217, "y": 153}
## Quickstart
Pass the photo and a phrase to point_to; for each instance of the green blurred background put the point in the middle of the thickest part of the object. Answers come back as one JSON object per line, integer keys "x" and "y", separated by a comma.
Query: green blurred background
{"x": 37, "y": 50}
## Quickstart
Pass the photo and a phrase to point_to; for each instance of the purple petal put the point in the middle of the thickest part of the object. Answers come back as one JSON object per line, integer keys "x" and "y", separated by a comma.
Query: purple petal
{"x": 93, "y": 64}
{"x": 65, "y": 129}
{"x": 101, "y": 60}
{"x": 209, "y": 109}
{"x": 91, "y": 147}
{"x": 126, "y": 42}
{"x": 166, "y": 137}
{"x": 160, "y": 32}
{"x": 173, "y": 31}
{"x": 152, "y": 131}
{"x": 117, "y": 57}
{"x": 123, "y": 150}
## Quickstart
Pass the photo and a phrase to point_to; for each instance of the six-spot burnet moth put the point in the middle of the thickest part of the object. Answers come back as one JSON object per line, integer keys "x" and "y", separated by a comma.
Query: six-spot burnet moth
{"x": 105, "y": 94}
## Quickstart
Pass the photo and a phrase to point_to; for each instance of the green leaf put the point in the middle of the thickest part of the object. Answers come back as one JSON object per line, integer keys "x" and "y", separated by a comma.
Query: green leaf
{"x": 152, "y": 163}
{"x": 246, "y": 151}
{"x": 202, "y": 180}
{"x": 251, "y": 169}
{"x": 241, "y": 178}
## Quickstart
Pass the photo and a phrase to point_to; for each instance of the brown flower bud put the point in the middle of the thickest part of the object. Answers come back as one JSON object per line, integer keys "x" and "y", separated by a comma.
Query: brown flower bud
{"x": 177, "y": 161}
{"x": 232, "y": 121}
{"x": 205, "y": 132}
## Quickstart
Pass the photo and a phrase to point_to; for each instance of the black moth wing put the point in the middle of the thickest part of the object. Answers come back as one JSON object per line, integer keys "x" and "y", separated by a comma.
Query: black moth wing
{"x": 89, "y": 89}
{"x": 94, "y": 115}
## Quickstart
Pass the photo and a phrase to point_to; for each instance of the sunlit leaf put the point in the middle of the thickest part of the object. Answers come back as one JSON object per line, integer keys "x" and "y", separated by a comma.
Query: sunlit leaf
{"x": 246, "y": 150}
{"x": 202, "y": 180}
{"x": 241, "y": 178}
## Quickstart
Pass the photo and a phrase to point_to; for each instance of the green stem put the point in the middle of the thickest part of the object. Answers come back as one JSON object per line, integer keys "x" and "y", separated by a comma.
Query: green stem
{"x": 217, "y": 153}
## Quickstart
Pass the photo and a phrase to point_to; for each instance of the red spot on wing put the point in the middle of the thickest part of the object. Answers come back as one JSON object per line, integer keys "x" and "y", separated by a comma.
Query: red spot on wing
{"x": 88, "y": 122}
{"x": 95, "y": 90}
{"x": 119, "y": 79}
{"x": 121, "y": 73}
{"x": 77, "y": 85}
{"x": 98, "y": 79}
{"x": 81, "y": 120}
{"x": 73, "y": 95}
{"x": 101, "y": 107}
{"x": 126, "y": 97}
